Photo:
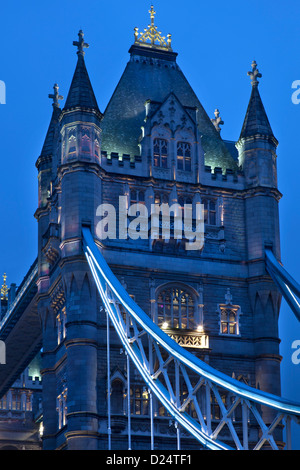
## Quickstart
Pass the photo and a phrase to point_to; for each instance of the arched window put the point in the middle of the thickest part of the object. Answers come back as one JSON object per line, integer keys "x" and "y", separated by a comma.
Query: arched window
{"x": 139, "y": 400}
{"x": 161, "y": 198}
{"x": 137, "y": 196}
{"x": 72, "y": 146}
{"x": 72, "y": 142}
{"x": 184, "y": 156}
{"x": 175, "y": 308}
{"x": 188, "y": 201}
{"x": 210, "y": 211}
{"x": 86, "y": 142}
{"x": 160, "y": 153}
{"x": 229, "y": 316}
{"x": 229, "y": 321}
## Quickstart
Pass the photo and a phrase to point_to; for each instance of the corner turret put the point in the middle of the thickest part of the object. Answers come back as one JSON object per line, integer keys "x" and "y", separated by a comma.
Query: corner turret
{"x": 257, "y": 143}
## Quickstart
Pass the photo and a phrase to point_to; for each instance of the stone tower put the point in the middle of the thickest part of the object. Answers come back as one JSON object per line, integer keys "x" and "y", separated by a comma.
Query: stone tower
{"x": 153, "y": 144}
{"x": 257, "y": 157}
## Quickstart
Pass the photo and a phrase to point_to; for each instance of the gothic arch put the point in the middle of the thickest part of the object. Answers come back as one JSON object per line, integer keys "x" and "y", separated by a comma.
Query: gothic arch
{"x": 176, "y": 306}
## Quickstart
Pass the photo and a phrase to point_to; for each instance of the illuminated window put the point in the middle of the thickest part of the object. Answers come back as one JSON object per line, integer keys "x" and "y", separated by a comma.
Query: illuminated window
{"x": 229, "y": 316}
{"x": 184, "y": 156}
{"x": 161, "y": 198}
{"x": 61, "y": 325}
{"x": 160, "y": 153}
{"x": 139, "y": 400}
{"x": 229, "y": 324}
{"x": 28, "y": 404}
{"x": 61, "y": 408}
{"x": 175, "y": 308}
{"x": 210, "y": 212}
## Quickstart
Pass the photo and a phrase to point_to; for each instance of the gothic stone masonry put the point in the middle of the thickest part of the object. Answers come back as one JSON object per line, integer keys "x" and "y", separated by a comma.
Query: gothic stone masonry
{"x": 154, "y": 143}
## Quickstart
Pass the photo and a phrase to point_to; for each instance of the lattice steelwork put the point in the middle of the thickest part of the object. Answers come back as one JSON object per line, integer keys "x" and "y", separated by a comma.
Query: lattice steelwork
{"x": 220, "y": 412}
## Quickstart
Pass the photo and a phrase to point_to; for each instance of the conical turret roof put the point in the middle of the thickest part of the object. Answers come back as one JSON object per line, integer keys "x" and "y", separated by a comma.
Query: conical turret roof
{"x": 81, "y": 92}
{"x": 47, "y": 148}
{"x": 256, "y": 120}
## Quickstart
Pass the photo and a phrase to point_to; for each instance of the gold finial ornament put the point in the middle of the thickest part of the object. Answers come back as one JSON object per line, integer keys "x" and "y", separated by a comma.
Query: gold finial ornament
{"x": 4, "y": 288}
{"x": 152, "y": 14}
{"x": 151, "y": 37}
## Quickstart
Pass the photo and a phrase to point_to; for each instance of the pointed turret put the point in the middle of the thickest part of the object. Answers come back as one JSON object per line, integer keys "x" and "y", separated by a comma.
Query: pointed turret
{"x": 257, "y": 144}
{"x": 256, "y": 119}
{"x": 45, "y": 162}
{"x": 80, "y": 118}
{"x": 257, "y": 157}
{"x": 81, "y": 93}
{"x": 80, "y": 123}
{"x": 52, "y": 129}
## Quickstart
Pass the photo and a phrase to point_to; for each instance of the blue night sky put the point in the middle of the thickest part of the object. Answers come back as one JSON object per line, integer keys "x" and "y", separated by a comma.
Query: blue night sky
{"x": 216, "y": 42}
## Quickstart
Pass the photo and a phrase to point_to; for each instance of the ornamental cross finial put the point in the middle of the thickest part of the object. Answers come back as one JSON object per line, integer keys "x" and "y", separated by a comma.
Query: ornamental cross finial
{"x": 152, "y": 14}
{"x": 217, "y": 122}
{"x": 151, "y": 37}
{"x": 254, "y": 74}
{"x": 4, "y": 288}
{"x": 80, "y": 43}
{"x": 56, "y": 96}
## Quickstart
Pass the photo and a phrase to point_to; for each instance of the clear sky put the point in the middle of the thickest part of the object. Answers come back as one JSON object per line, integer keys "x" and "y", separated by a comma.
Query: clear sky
{"x": 216, "y": 42}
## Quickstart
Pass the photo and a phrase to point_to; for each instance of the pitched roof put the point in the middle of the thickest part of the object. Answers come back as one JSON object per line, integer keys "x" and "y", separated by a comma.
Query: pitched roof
{"x": 153, "y": 74}
{"x": 256, "y": 119}
{"x": 81, "y": 92}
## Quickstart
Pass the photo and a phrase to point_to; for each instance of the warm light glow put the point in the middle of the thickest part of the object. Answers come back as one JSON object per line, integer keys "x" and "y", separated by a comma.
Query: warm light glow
{"x": 200, "y": 328}
{"x": 165, "y": 325}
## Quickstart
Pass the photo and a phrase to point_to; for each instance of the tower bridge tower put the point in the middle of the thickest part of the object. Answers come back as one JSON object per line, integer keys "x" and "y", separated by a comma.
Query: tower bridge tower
{"x": 153, "y": 144}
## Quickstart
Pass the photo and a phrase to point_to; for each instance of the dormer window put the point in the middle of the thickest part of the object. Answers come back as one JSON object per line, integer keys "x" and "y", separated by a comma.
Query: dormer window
{"x": 184, "y": 156}
{"x": 160, "y": 153}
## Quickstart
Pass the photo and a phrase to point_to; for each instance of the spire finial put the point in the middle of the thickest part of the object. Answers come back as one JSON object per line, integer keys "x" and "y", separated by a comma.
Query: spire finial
{"x": 56, "y": 96}
{"x": 152, "y": 14}
{"x": 4, "y": 288}
{"x": 217, "y": 122}
{"x": 254, "y": 74}
{"x": 80, "y": 43}
{"x": 151, "y": 37}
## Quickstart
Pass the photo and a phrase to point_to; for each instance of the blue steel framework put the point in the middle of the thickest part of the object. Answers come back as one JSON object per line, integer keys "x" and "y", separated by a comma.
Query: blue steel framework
{"x": 146, "y": 344}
